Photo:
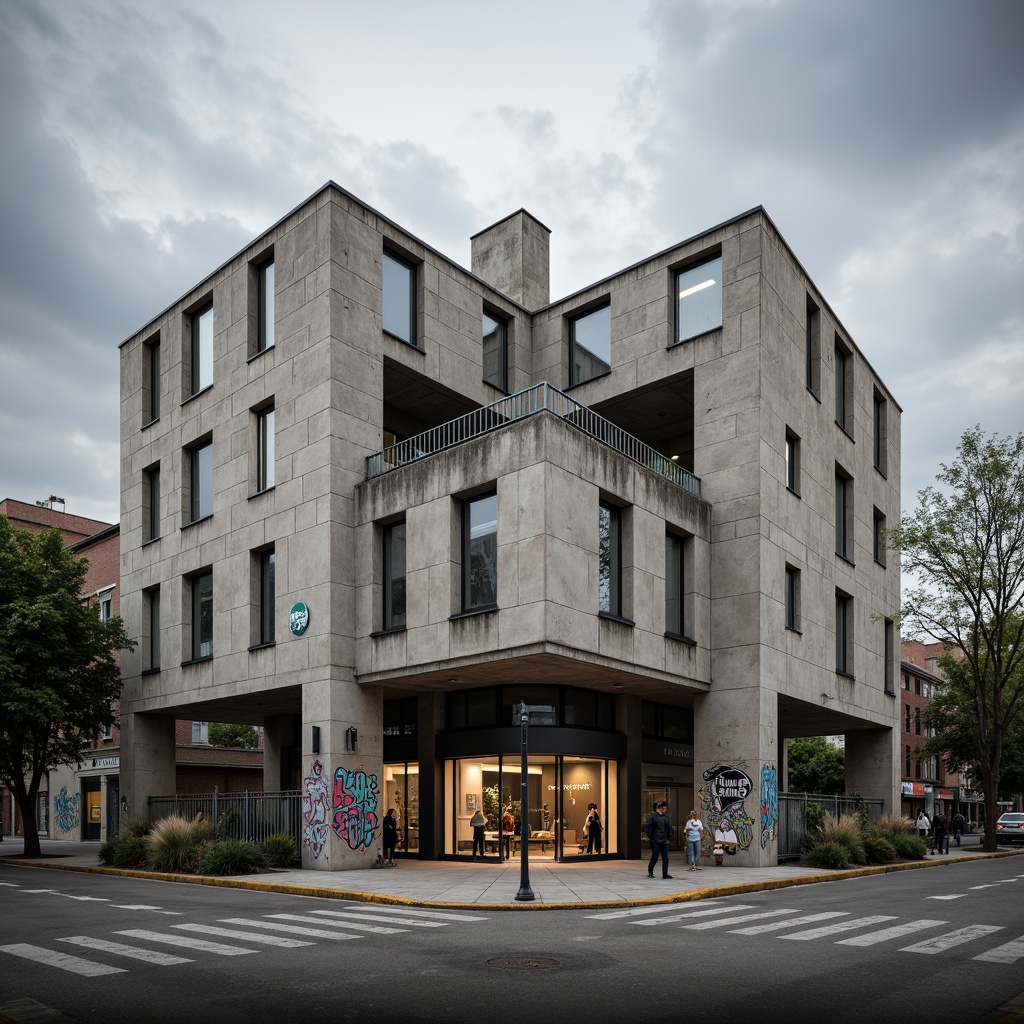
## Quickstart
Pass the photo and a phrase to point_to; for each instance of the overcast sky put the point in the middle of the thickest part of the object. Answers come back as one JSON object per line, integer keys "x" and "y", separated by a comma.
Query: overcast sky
{"x": 145, "y": 143}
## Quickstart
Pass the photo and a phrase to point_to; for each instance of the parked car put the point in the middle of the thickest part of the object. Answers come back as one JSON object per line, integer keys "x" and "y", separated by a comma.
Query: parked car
{"x": 1010, "y": 828}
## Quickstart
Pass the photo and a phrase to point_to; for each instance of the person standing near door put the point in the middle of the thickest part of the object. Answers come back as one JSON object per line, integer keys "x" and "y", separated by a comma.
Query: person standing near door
{"x": 659, "y": 830}
{"x": 694, "y": 834}
{"x": 594, "y": 828}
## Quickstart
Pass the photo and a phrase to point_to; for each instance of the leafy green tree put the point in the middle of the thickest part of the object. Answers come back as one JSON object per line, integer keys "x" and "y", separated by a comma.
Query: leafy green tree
{"x": 816, "y": 766}
{"x": 964, "y": 546}
{"x": 221, "y": 734}
{"x": 59, "y": 673}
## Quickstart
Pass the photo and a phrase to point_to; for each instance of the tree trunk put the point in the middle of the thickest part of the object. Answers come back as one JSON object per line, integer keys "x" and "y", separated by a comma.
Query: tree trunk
{"x": 26, "y": 798}
{"x": 988, "y": 780}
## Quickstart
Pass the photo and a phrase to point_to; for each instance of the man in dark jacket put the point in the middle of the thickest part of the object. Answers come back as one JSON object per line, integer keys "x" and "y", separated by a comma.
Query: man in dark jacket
{"x": 659, "y": 830}
{"x": 958, "y": 824}
{"x": 939, "y": 831}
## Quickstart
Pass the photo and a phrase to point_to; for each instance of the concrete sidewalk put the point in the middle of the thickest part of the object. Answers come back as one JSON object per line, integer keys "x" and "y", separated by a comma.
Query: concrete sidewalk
{"x": 608, "y": 883}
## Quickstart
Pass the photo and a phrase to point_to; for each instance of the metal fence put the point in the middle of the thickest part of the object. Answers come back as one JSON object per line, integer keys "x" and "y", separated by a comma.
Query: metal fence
{"x": 792, "y": 830}
{"x": 254, "y": 816}
{"x": 539, "y": 398}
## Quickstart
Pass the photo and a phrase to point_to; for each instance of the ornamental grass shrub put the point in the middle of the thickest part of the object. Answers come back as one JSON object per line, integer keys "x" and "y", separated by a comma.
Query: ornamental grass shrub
{"x": 828, "y": 855}
{"x": 175, "y": 842}
{"x": 864, "y": 841}
{"x": 128, "y": 849}
{"x": 846, "y": 831}
{"x": 231, "y": 857}
{"x": 279, "y": 850}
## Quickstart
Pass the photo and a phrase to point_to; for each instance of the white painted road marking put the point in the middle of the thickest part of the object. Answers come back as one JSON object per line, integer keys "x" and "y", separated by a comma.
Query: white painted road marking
{"x": 950, "y": 939}
{"x": 183, "y": 940}
{"x": 1008, "y": 953}
{"x": 151, "y": 956}
{"x": 723, "y": 922}
{"x": 231, "y": 933}
{"x": 638, "y": 911}
{"x": 843, "y": 926}
{"x": 775, "y": 926}
{"x": 688, "y": 915}
{"x": 358, "y": 926}
{"x": 897, "y": 931}
{"x": 65, "y": 961}
{"x": 372, "y": 908}
{"x": 316, "y": 933}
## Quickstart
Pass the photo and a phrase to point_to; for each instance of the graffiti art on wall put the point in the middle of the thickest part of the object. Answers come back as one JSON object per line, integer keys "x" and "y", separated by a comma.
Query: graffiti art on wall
{"x": 67, "y": 810}
{"x": 769, "y": 804}
{"x": 314, "y": 810}
{"x": 722, "y": 803}
{"x": 356, "y": 796}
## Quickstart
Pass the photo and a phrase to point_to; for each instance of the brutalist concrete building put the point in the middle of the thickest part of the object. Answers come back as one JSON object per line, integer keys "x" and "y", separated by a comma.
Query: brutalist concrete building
{"x": 374, "y": 502}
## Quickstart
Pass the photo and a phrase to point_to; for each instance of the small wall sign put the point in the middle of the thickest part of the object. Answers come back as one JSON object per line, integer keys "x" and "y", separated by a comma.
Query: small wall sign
{"x": 298, "y": 618}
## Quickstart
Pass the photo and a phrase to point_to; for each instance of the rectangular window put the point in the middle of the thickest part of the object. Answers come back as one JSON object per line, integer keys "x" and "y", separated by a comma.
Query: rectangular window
{"x": 202, "y": 616}
{"x": 106, "y": 732}
{"x": 106, "y": 608}
{"x": 265, "y": 306}
{"x": 889, "y": 647}
{"x": 480, "y": 553}
{"x": 675, "y": 623}
{"x": 881, "y": 434}
{"x": 495, "y": 350}
{"x": 844, "y": 515}
{"x": 906, "y": 718}
{"x": 151, "y": 503}
{"x": 917, "y": 721}
{"x": 590, "y": 345}
{"x": 151, "y": 658}
{"x": 201, "y": 481}
{"x": 917, "y": 687}
{"x": 609, "y": 559}
{"x": 792, "y": 462}
{"x": 907, "y": 760}
{"x": 394, "y": 576}
{"x": 268, "y": 594}
{"x": 812, "y": 348}
{"x": 151, "y": 376}
{"x": 202, "y": 348}
{"x": 878, "y": 537}
{"x": 200, "y": 732}
{"x": 399, "y": 288}
{"x": 265, "y": 449}
{"x": 844, "y": 387}
{"x": 792, "y": 598}
{"x": 699, "y": 298}
{"x": 844, "y": 634}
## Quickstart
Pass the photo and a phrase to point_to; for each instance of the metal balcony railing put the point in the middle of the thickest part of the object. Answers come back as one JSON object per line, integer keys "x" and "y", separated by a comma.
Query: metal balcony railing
{"x": 539, "y": 398}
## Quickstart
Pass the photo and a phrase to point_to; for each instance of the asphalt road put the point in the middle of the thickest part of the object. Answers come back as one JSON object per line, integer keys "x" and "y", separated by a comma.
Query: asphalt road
{"x": 910, "y": 946}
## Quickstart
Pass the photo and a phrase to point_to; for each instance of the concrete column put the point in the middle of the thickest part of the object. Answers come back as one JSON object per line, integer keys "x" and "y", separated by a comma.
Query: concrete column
{"x": 631, "y": 813}
{"x": 872, "y": 766}
{"x": 430, "y": 721}
{"x": 341, "y": 783}
{"x": 277, "y": 738}
{"x": 147, "y": 761}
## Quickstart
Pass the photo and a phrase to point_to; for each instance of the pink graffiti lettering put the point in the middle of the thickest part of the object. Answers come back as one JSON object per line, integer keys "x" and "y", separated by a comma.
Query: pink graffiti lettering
{"x": 355, "y": 807}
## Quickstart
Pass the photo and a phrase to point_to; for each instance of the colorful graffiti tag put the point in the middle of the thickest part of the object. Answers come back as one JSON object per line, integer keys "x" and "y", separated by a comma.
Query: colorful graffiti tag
{"x": 769, "y": 804}
{"x": 722, "y": 803}
{"x": 356, "y": 795}
{"x": 67, "y": 810}
{"x": 314, "y": 810}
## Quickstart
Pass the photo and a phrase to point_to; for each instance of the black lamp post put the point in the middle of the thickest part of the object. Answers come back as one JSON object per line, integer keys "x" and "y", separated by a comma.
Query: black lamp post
{"x": 525, "y": 894}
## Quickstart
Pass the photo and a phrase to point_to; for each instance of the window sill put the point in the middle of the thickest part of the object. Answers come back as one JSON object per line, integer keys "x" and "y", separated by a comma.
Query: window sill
{"x": 197, "y": 661}
{"x": 580, "y": 383}
{"x": 196, "y": 522}
{"x": 688, "y": 640}
{"x": 262, "y": 352}
{"x": 846, "y": 675}
{"x": 845, "y": 431}
{"x": 620, "y": 619}
{"x": 387, "y": 631}
{"x": 881, "y": 472}
{"x": 793, "y": 491}
{"x": 263, "y": 647}
{"x": 482, "y": 610}
{"x": 849, "y": 561}
{"x": 202, "y": 391}
{"x": 890, "y": 693}
{"x": 259, "y": 494}
{"x": 813, "y": 394}
{"x": 407, "y": 344}
{"x": 152, "y": 540}
{"x": 793, "y": 629}
{"x": 878, "y": 561}
{"x": 147, "y": 425}
{"x": 151, "y": 671}
{"x": 695, "y": 337}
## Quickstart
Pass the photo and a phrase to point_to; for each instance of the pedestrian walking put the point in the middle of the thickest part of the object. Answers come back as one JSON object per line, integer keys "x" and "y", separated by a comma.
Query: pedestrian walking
{"x": 959, "y": 823}
{"x": 508, "y": 830}
{"x": 923, "y": 824}
{"x": 939, "y": 831}
{"x": 390, "y": 836}
{"x": 694, "y": 834}
{"x": 478, "y": 823}
{"x": 660, "y": 831}
{"x": 594, "y": 828}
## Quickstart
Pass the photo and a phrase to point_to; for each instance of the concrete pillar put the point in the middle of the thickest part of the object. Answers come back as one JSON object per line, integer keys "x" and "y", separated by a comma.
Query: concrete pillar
{"x": 872, "y": 766}
{"x": 631, "y": 813}
{"x": 430, "y": 721}
{"x": 147, "y": 761}
{"x": 513, "y": 256}
{"x": 277, "y": 738}
{"x": 342, "y": 784}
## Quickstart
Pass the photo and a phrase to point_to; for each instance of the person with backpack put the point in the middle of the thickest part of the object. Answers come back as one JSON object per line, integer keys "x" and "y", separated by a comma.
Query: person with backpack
{"x": 659, "y": 831}
{"x": 939, "y": 831}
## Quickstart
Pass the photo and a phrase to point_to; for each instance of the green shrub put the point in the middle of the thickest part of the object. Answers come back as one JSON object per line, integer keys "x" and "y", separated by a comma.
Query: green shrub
{"x": 846, "y": 831}
{"x": 138, "y": 827}
{"x": 126, "y": 851}
{"x": 174, "y": 843}
{"x": 231, "y": 857}
{"x": 828, "y": 855}
{"x": 878, "y": 849}
{"x": 908, "y": 847}
{"x": 229, "y": 826}
{"x": 889, "y": 825}
{"x": 279, "y": 849}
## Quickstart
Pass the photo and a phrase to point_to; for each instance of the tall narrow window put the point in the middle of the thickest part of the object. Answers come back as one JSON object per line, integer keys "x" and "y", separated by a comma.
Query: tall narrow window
{"x": 878, "y": 537}
{"x": 152, "y": 611}
{"x": 202, "y": 616}
{"x": 844, "y": 515}
{"x": 200, "y": 732}
{"x": 699, "y": 297}
{"x": 844, "y": 634}
{"x": 264, "y": 449}
{"x": 265, "y": 306}
{"x": 889, "y": 647}
{"x": 792, "y": 598}
{"x": 792, "y": 462}
{"x": 906, "y": 718}
{"x": 151, "y": 375}
{"x": 812, "y": 348}
{"x": 201, "y": 481}
{"x": 609, "y": 559}
{"x": 844, "y": 387}
{"x": 106, "y": 607}
{"x": 880, "y": 440}
{"x": 590, "y": 345}
{"x": 151, "y": 503}
{"x": 399, "y": 286}
{"x": 267, "y": 597}
{"x": 394, "y": 576}
{"x": 202, "y": 348}
{"x": 674, "y": 603}
{"x": 495, "y": 346}
{"x": 480, "y": 553}
{"x": 917, "y": 721}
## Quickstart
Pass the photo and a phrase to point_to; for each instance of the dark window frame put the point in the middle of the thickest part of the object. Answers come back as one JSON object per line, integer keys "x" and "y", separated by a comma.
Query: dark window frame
{"x": 197, "y": 492}
{"x": 267, "y": 596}
{"x": 844, "y": 514}
{"x": 395, "y": 330}
{"x": 151, "y": 371}
{"x": 691, "y": 270}
{"x": 265, "y": 448}
{"x": 792, "y": 459}
{"x": 812, "y": 348}
{"x": 196, "y": 320}
{"x": 675, "y": 585}
{"x": 499, "y": 379}
{"x": 609, "y": 565}
{"x": 844, "y": 634}
{"x": 151, "y": 498}
{"x": 575, "y": 377}
{"x": 791, "y": 586}
{"x": 395, "y": 606}
{"x": 198, "y": 636}
{"x": 880, "y": 440}
{"x": 471, "y": 545}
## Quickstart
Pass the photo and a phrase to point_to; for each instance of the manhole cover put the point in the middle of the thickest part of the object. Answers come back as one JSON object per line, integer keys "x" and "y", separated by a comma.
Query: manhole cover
{"x": 524, "y": 963}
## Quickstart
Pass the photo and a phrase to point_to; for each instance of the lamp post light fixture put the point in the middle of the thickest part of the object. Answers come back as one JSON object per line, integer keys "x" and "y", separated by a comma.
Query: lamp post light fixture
{"x": 525, "y": 894}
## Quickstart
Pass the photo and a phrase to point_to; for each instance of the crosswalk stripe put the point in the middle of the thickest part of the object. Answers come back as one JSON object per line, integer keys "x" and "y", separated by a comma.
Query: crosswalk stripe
{"x": 1008, "y": 953}
{"x": 358, "y": 926}
{"x": 231, "y": 933}
{"x": 724, "y": 922}
{"x": 405, "y": 921}
{"x": 611, "y": 915}
{"x": 897, "y": 931}
{"x": 372, "y": 908}
{"x": 950, "y": 939}
{"x": 291, "y": 929}
{"x": 774, "y": 926}
{"x": 64, "y": 961}
{"x": 183, "y": 940}
{"x": 842, "y": 926}
{"x": 690, "y": 914}
{"x": 150, "y": 956}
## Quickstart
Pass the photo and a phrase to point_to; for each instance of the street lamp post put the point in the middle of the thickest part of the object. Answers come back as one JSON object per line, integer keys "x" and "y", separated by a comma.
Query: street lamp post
{"x": 525, "y": 894}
